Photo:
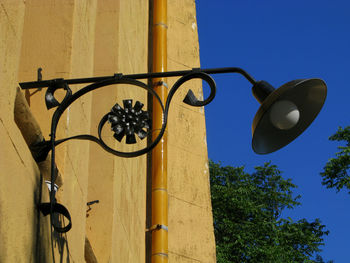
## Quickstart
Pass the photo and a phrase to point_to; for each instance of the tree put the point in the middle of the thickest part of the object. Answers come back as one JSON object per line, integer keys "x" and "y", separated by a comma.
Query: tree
{"x": 336, "y": 172}
{"x": 247, "y": 212}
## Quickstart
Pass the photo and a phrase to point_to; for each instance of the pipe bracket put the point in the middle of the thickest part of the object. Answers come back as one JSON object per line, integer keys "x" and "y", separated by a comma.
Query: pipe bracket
{"x": 157, "y": 227}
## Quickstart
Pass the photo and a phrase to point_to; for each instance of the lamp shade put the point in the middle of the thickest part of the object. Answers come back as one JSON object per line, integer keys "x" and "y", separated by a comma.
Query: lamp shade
{"x": 308, "y": 95}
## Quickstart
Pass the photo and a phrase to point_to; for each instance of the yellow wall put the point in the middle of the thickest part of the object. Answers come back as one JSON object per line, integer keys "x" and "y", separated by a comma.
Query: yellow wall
{"x": 71, "y": 39}
{"x": 191, "y": 236}
{"x": 19, "y": 178}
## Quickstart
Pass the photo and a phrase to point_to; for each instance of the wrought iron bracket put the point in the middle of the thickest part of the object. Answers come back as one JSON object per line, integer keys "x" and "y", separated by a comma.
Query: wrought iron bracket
{"x": 126, "y": 121}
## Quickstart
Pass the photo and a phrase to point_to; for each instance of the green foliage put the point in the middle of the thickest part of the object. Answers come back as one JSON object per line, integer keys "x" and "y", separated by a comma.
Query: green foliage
{"x": 336, "y": 172}
{"x": 247, "y": 218}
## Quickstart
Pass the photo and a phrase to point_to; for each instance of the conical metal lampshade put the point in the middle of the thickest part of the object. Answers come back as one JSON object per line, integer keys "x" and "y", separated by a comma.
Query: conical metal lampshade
{"x": 307, "y": 94}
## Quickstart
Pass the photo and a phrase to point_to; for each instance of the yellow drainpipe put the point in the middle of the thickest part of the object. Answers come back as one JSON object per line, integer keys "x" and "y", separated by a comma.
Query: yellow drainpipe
{"x": 159, "y": 154}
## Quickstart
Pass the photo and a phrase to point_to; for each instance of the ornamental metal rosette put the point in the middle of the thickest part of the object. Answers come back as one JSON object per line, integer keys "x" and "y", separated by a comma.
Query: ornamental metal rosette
{"x": 129, "y": 121}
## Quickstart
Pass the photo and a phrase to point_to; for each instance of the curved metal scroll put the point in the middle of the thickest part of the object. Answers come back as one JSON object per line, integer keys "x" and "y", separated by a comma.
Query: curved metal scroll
{"x": 190, "y": 99}
{"x": 69, "y": 98}
{"x": 67, "y": 101}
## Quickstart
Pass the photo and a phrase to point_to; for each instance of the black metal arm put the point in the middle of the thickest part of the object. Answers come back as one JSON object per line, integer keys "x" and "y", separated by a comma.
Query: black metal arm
{"x": 48, "y": 83}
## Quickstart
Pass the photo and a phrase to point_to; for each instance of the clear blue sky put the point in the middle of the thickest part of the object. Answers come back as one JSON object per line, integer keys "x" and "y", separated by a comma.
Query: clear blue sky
{"x": 279, "y": 41}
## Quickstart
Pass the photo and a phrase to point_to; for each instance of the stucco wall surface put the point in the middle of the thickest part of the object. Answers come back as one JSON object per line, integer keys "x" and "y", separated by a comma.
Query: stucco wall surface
{"x": 191, "y": 234}
{"x": 19, "y": 174}
{"x": 116, "y": 226}
{"x": 74, "y": 39}
{"x": 58, "y": 36}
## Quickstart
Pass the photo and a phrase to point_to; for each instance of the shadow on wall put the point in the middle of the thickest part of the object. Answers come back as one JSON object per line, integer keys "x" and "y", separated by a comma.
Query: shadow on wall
{"x": 41, "y": 225}
{"x": 60, "y": 240}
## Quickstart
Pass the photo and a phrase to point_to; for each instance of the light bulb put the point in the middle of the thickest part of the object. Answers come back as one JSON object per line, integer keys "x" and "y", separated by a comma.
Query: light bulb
{"x": 284, "y": 115}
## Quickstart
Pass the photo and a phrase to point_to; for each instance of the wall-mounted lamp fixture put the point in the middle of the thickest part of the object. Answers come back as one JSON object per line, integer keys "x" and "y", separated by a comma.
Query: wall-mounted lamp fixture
{"x": 283, "y": 115}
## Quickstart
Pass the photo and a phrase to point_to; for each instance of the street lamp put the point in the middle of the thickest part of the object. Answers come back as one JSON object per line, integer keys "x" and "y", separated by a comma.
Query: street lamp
{"x": 285, "y": 112}
{"x": 283, "y": 115}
